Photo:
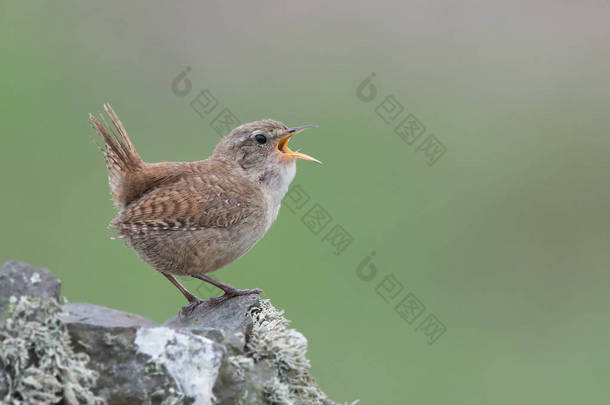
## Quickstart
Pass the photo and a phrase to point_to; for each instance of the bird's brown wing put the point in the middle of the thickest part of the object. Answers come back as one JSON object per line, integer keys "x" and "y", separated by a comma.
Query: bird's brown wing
{"x": 194, "y": 201}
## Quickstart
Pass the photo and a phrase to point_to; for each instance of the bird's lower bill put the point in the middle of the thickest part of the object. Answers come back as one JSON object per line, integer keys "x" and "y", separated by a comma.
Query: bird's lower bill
{"x": 282, "y": 147}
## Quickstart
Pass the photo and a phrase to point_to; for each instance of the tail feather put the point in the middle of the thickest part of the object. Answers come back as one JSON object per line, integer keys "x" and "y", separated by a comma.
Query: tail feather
{"x": 120, "y": 155}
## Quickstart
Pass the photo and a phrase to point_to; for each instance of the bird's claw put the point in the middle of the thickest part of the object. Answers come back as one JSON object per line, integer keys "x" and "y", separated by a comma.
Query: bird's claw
{"x": 236, "y": 292}
{"x": 188, "y": 309}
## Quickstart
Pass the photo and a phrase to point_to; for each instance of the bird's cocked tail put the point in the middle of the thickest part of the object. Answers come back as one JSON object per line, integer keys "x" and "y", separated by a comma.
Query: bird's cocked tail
{"x": 122, "y": 160}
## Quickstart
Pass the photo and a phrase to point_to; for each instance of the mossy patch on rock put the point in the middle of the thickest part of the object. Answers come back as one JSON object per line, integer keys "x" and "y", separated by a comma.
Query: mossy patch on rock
{"x": 271, "y": 340}
{"x": 38, "y": 363}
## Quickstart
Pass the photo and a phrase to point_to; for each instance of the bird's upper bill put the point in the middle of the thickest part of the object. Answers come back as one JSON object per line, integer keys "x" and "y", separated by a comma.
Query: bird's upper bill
{"x": 282, "y": 145}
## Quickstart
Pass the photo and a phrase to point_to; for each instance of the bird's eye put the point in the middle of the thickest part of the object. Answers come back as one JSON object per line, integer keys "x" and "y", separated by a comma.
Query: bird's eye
{"x": 261, "y": 139}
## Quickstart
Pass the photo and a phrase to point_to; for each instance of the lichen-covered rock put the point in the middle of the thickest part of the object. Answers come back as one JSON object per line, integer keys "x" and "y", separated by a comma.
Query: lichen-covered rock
{"x": 283, "y": 349}
{"x": 192, "y": 361}
{"x": 21, "y": 279}
{"x": 37, "y": 363}
{"x": 239, "y": 351}
{"x": 108, "y": 336}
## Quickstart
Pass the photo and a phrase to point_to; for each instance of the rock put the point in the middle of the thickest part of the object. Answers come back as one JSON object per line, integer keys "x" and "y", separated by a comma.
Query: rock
{"x": 90, "y": 314}
{"x": 21, "y": 279}
{"x": 227, "y": 323}
{"x": 3, "y": 388}
{"x": 108, "y": 337}
{"x": 192, "y": 361}
{"x": 239, "y": 351}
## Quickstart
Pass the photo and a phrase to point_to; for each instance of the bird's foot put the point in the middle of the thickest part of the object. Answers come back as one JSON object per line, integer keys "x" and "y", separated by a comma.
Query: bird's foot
{"x": 229, "y": 293}
{"x": 234, "y": 292}
{"x": 190, "y": 307}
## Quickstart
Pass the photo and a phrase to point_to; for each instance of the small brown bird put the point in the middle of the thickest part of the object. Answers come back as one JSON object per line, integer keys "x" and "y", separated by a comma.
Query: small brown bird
{"x": 192, "y": 218}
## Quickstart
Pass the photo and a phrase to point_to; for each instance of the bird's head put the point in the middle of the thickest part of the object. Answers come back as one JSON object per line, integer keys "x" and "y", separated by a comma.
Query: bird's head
{"x": 261, "y": 148}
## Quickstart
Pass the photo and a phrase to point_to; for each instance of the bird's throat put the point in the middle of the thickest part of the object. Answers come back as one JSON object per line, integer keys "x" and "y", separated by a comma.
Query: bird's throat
{"x": 275, "y": 181}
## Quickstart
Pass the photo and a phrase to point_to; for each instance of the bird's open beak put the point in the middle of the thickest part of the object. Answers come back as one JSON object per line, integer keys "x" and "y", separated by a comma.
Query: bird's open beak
{"x": 282, "y": 145}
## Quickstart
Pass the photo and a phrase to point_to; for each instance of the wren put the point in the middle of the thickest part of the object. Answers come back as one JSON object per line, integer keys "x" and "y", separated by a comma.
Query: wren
{"x": 192, "y": 218}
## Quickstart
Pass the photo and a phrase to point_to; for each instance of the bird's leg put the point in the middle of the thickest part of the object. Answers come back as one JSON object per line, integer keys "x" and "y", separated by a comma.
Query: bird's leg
{"x": 190, "y": 297}
{"x": 229, "y": 290}
{"x": 193, "y": 301}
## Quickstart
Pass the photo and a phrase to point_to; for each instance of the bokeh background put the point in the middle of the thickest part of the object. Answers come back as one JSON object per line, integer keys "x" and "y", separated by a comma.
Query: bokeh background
{"x": 504, "y": 239}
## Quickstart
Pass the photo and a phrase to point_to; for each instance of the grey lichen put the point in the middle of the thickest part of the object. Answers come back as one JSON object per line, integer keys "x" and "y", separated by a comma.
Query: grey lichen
{"x": 271, "y": 340}
{"x": 37, "y": 362}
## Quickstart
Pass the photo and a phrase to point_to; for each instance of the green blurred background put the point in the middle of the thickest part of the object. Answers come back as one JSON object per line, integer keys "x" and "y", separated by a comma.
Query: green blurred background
{"x": 504, "y": 239}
